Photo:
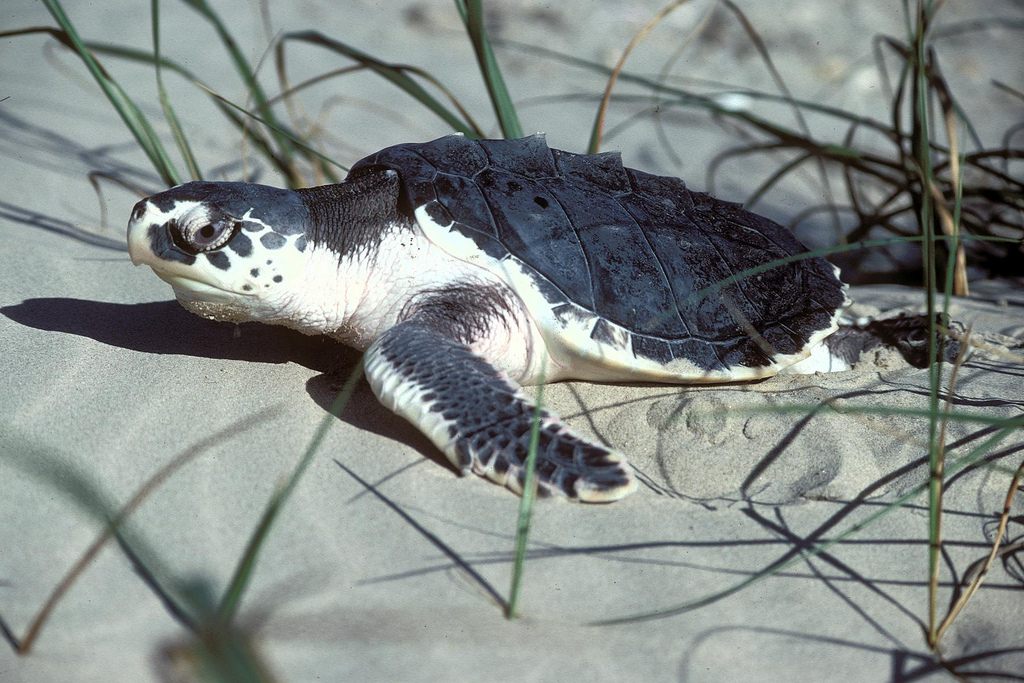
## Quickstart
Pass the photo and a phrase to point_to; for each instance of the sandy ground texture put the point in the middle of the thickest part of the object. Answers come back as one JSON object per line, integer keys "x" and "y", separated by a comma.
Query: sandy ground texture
{"x": 385, "y": 565}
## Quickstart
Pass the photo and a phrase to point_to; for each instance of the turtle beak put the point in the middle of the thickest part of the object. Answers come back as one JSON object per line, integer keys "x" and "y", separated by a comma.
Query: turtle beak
{"x": 138, "y": 247}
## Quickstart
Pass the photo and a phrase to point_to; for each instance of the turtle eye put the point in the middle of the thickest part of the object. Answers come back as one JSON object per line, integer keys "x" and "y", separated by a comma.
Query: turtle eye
{"x": 207, "y": 236}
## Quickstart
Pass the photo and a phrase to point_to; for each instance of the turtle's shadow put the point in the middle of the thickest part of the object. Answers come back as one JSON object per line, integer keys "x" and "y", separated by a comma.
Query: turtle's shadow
{"x": 164, "y": 327}
{"x": 363, "y": 411}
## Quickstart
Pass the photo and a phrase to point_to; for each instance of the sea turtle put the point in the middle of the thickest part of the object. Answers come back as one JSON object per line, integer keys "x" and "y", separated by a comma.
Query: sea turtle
{"x": 466, "y": 268}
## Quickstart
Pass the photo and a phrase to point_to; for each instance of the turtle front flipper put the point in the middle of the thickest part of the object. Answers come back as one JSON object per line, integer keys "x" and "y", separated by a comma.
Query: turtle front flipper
{"x": 482, "y": 421}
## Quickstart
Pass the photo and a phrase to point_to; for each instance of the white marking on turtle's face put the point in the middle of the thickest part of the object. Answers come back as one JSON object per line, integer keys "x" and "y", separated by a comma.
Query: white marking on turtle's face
{"x": 271, "y": 273}
{"x": 221, "y": 266}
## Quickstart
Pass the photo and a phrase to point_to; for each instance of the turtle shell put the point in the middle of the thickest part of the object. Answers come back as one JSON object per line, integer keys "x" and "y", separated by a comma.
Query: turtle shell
{"x": 628, "y": 272}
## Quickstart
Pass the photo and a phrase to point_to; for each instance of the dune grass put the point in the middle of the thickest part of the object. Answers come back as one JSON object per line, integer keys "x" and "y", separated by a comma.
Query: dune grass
{"x": 221, "y": 651}
{"x": 925, "y": 179}
{"x": 934, "y": 199}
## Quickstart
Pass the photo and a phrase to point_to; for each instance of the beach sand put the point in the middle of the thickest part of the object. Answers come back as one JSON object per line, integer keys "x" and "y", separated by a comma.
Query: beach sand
{"x": 385, "y": 565}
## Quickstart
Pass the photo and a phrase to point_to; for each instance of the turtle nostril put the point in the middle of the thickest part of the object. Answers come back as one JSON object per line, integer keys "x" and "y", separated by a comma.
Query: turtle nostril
{"x": 139, "y": 210}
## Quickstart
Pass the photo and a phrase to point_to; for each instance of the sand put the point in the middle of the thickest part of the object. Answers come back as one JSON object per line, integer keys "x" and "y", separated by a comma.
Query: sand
{"x": 385, "y": 565}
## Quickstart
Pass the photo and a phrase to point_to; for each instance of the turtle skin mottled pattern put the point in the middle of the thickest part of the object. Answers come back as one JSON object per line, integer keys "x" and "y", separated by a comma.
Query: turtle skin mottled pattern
{"x": 636, "y": 251}
{"x": 482, "y": 421}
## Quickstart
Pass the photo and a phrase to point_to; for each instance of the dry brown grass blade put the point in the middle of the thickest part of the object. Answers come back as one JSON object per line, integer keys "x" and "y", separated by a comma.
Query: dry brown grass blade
{"x": 287, "y": 90}
{"x": 732, "y": 152}
{"x": 745, "y": 324}
{"x": 94, "y": 180}
{"x": 798, "y": 113}
{"x": 966, "y": 596}
{"x": 299, "y": 120}
{"x": 939, "y": 473}
{"x": 659, "y": 125}
{"x": 414, "y": 127}
{"x": 595, "y": 136}
{"x": 1008, "y": 89}
{"x": 290, "y": 168}
{"x": 25, "y": 644}
{"x": 950, "y": 226}
{"x": 297, "y": 113}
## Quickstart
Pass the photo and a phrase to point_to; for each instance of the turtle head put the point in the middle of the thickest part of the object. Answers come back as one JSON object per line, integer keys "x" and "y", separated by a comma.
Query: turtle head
{"x": 231, "y": 251}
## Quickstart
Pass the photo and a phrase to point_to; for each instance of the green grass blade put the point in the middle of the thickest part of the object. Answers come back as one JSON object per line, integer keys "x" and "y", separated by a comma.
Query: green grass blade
{"x": 55, "y": 469}
{"x": 405, "y": 68}
{"x": 800, "y": 556}
{"x": 774, "y": 178}
{"x": 284, "y": 143}
{"x": 126, "y": 109}
{"x": 298, "y": 142}
{"x": 597, "y": 129}
{"x": 262, "y": 144}
{"x": 798, "y": 113}
{"x": 695, "y": 297}
{"x": 526, "y": 505}
{"x": 165, "y": 100}
{"x": 52, "y": 468}
{"x": 392, "y": 72}
{"x": 247, "y": 564}
{"x": 690, "y": 98}
{"x": 710, "y": 104}
{"x": 133, "y": 55}
{"x": 881, "y": 410}
{"x": 922, "y": 153}
{"x": 147, "y": 128}
{"x": 472, "y": 16}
